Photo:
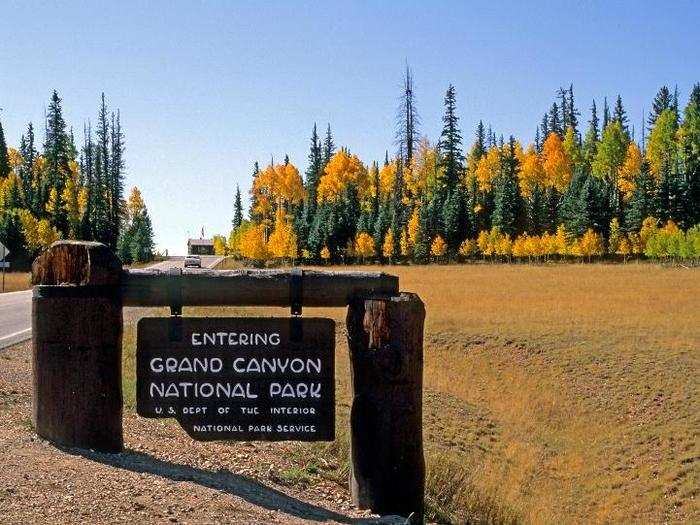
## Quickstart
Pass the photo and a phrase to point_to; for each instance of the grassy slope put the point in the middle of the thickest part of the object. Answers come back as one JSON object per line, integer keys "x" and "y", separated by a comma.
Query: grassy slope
{"x": 553, "y": 394}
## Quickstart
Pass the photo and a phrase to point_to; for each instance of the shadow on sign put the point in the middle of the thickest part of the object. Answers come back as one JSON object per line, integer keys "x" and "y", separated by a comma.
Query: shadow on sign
{"x": 234, "y": 484}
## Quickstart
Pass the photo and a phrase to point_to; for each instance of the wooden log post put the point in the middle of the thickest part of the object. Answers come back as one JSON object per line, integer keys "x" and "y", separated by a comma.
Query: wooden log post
{"x": 76, "y": 346}
{"x": 385, "y": 336}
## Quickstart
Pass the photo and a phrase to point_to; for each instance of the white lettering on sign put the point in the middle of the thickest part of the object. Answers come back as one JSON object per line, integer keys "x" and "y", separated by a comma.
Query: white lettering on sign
{"x": 185, "y": 364}
{"x": 235, "y": 339}
{"x": 281, "y": 365}
{"x": 186, "y": 390}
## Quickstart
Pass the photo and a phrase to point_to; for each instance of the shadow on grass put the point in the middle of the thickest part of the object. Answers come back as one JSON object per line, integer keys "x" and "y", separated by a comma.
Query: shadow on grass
{"x": 234, "y": 484}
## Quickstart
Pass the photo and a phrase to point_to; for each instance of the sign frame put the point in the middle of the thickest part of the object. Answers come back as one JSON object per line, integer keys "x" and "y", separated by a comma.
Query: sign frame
{"x": 208, "y": 385}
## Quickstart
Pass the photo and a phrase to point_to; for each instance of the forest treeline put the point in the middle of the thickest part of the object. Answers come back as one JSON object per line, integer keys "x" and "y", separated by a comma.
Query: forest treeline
{"x": 577, "y": 191}
{"x": 59, "y": 189}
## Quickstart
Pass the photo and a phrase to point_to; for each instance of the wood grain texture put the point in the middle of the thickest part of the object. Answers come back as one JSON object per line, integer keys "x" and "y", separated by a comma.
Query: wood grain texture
{"x": 251, "y": 287}
{"x": 76, "y": 347}
{"x": 385, "y": 336}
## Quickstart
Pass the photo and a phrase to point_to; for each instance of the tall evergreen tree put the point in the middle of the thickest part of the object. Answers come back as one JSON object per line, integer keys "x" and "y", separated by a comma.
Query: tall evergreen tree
{"x": 237, "y": 209}
{"x": 590, "y": 141}
{"x": 606, "y": 113}
{"x": 507, "y": 201}
{"x": 407, "y": 121}
{"x": 662, "y": 101}
{"x": 554, "y": 120}
{"x": 314, "y": 170}
{"x": 116, "y": 177}
{"x": 572, "y": 111}
{"x": 642, "y": 203}
{"x": 4, "y": 161}
{"x": 328, "y": 146}
{"x": 690, "y": 155}
{"x": 620, "y": 115}
{"x": 102, "y": 222}
{"x": 451, "y": 141}
{"x": 56, "y": 154}
{"x": 252, "y": 213}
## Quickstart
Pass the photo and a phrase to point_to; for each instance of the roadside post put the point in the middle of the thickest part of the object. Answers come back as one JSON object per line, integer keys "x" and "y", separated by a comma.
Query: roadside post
{"x": 4, "y": 252}
{"x": 233, "y": 378}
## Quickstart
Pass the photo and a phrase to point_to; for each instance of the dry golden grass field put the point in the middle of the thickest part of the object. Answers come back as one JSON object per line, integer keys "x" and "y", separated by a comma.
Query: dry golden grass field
{"x": 553, "y": 394}
{"x": 15, "y": 281}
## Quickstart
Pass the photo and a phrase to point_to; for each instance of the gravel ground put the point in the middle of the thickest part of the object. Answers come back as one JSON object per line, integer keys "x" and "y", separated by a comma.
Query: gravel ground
{"x": 162, "y": 477}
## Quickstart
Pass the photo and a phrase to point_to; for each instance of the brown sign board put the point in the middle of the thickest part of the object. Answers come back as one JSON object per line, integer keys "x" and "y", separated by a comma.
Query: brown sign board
{"x": 241, "y": 378}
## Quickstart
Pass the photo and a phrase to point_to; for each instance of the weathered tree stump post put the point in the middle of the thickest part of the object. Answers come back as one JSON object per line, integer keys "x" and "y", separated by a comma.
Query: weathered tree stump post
{"x": 76, "y": 346}
{"x": 385, "y": 336}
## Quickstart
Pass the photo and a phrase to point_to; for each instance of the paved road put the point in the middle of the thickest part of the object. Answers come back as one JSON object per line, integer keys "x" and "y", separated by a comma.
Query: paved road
{"x": 208, "y": 261}
{"x": 15, "y": 317}
{"x": 16, "y": 307}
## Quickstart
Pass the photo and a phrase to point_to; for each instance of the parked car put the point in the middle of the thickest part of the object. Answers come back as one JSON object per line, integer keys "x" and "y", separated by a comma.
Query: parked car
{"x": 193, "y": 261}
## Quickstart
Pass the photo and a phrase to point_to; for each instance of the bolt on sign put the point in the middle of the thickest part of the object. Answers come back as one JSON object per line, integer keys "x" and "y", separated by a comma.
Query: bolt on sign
{"x": 242, "y": 379}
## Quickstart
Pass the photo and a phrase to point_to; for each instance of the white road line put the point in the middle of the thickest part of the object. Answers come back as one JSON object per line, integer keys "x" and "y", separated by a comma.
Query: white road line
{"x": 16, "y": 337}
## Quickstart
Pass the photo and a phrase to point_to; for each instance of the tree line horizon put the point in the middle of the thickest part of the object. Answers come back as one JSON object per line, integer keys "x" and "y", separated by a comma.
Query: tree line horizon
{"x": 62, "y": 190}
{"x": 573, "y": 192}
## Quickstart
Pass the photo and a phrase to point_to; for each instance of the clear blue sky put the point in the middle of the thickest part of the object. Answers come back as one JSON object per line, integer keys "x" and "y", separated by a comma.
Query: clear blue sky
{"x": 207, "y": 88}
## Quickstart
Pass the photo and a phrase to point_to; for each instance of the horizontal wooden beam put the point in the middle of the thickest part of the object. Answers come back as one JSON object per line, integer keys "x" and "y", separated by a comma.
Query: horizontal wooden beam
{"x": 250, "y": 287}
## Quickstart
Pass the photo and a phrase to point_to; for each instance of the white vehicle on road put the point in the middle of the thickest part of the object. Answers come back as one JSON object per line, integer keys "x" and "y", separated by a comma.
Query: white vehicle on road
{"x": 193, "y": 261}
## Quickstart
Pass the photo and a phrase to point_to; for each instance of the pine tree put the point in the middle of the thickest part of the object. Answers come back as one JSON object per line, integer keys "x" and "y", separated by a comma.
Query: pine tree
{"x": 620, "y": 115}
{"x": 252, "y": 213}
{"x": 690, "y": 155}
{"x": 642, "y": 203}
{"x": 554, "y": 123}
{"x": 237, "y": 209}
{"x": 590, "y": 142}
{"x": 663, "y": 100}
{"x": 572, "y": 111}
{"x": 4, "y": 161}
{"x": 407, "y": 121}
{"x": 606, "y": 113}
{"x": 88, "y": 179}
{"x": 328, "y": 146}
{"x": 116, "y": 177}
{"x": 544, "y": 126}
{"x": 507, "y": 201}
{"x": 56, "y": 154}
{"x": 314, "y": 170}
{"x": 102, "y": 221}
{"x": 451, "y": 141}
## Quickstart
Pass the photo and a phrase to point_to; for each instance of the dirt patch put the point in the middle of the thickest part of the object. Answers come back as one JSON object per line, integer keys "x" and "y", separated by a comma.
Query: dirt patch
{"x": 162, "y": 477}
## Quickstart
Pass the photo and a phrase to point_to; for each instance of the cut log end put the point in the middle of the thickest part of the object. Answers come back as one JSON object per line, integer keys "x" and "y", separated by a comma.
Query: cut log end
{"x": 76, "y": 263}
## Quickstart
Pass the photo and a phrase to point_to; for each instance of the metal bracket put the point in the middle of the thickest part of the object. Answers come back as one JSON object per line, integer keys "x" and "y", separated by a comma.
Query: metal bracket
{"x": 296, "y": 290}
{"x": 296, "y": 301}
{"x": 175, "y": 300}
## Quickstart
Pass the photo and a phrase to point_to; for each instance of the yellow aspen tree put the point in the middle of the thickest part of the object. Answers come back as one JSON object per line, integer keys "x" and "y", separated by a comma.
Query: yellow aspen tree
{"x": 591, "y": 244}
{"x": 405, "y": 244}
{"x": 648, "y": 229}
{"x": 531, "y": 172}
{"x": 615, "y": 237}
{"x": 70, "y": 198}
{"x": 467, "y": 248}
{"x": 219, "y": 245}
{"x": 572, "y": 148}
{"x": 364, "y": 245}
{"x": 387, "y": 178}
{"x": 629, "y": 170}
{"x": 47, "y": 233}
{"x": 561, "y": 241}
{"x": 388, "y": 244}
{"x": 438, "y": 248}
{"x": 325, "y": 253}
{"x": 414, "y": 227}
{"x": 504, "y": 245}
{"x": 518, "y": 249}
{"x": 488, "y": 168}
{"x": 30, "y": 228}
{"x": 135, "y": 204}
{"x": 340, "y": 171}
{"x": 282, "y": 243}
{"x": 482, "y": 242}
{"x": 624, "y": 248}
{"x": 253, "y": 244}
{"x": 426, "y": 172}
{"x": 556, "y": 163}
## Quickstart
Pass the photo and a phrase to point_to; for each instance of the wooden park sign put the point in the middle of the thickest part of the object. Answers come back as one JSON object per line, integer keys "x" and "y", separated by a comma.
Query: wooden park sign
{"x": 81, "y": 288}
{"x": 239, "y": 378}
